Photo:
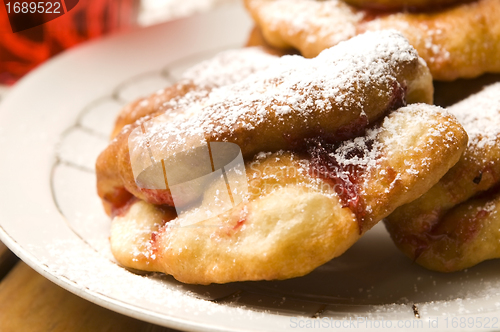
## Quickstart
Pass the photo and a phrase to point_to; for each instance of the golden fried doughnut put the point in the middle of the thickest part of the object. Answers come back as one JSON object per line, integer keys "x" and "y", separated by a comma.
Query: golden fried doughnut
{"x": 335, "y": 95}
{"x": 302, "y": 209}
{"x": 459, "y": 41}
{"x": 402, "y": 4}
{"x": 455, "y": 225}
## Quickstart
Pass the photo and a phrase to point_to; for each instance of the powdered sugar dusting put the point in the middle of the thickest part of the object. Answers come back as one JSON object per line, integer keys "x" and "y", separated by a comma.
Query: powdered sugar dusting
{"x": 294, "y": 87}
{"x": 405, "y": 135}
{"x": 73, "y": 260}
{"x": 411, "y": 119}
{"x": 424, "y": 36}
{"x": 480, "y": 116}
{"x": 229, "y": 67}
{"x": 225, "y": 68}
{"x": 331, "y": 20}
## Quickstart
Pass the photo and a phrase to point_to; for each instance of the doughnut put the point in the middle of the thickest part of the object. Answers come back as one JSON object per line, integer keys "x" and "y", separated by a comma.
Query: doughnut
{"x": 461, "y": 41}
{"x": 402, "y": 4}
{"x": 455, "y": 225}
{"x": 335, "y": 95}
{"x": 302, "y": 209}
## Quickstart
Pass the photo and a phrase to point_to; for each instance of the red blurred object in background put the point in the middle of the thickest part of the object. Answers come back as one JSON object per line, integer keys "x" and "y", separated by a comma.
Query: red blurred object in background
{"x": 22, "y": 51}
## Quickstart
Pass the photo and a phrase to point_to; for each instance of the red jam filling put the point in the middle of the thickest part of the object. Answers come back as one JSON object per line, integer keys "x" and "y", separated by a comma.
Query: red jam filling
{"x": 463, "y": 231}
{"x": 120, "y": 201}
{"x": 239, "y": 223}
{"x": 343, "y": 179}
{"x": 158, "y": 196}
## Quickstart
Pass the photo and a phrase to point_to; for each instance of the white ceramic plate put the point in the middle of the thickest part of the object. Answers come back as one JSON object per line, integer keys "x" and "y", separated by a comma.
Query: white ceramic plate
{"x": 55, "y": 122}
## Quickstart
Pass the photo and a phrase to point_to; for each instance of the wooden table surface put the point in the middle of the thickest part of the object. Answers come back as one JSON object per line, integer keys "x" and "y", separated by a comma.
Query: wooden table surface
{"x": 29, "y": 302}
